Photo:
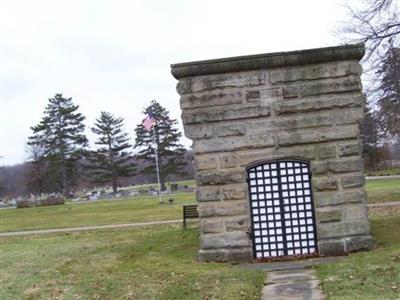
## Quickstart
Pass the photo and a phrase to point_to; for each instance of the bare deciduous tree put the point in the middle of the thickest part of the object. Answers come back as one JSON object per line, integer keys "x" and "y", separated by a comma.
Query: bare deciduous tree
{"x": 375, "y": 23}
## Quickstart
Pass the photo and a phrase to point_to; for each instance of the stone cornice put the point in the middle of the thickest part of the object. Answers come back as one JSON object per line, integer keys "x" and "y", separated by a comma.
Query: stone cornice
{"x": 268, "y": 60}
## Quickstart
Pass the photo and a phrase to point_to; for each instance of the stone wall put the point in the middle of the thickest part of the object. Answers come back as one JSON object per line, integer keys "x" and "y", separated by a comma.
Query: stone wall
{"x": 303, "y": 104}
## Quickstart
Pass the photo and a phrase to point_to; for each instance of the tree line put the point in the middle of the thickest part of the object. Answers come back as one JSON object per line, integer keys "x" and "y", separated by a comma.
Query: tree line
{"x": 60, "y": 159}
{"x": 377, "y": 24}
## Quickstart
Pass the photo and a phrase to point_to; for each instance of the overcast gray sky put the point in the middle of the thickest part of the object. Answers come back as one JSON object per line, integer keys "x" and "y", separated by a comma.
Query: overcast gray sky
{"x": 115, "y": 55}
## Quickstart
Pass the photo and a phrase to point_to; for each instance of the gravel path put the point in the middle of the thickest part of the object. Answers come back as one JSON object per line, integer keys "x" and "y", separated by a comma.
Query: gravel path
{"x": 382, "y": 177}
{"x": 86, "y": 228}
{"x": 392, "y": 203}
{"x": 301, "y": 284}
{"x": 292, "y": 280}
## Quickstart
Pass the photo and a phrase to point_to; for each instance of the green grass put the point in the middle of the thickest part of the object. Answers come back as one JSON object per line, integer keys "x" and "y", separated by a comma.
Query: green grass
{"x": 368, "y": 275}
{"x": 139, "y": 209}
{"x": 383, "y": 172}
{"x": 383, "y": 190}
{"x": 94, "y": 213}
{"x": 152, "y": 263}
{"x": 159, "y": 262}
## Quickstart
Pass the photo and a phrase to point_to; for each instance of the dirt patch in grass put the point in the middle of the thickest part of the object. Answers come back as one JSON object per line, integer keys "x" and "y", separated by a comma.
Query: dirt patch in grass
{"x": 376, "y": 211}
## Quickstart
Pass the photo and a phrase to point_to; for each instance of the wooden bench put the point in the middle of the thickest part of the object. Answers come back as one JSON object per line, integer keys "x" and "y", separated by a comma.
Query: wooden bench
{"x": 189, "y": 212}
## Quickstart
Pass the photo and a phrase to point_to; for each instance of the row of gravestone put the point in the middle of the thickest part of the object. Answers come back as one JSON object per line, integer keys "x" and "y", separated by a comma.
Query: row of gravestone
{"x": 47, "y": 200}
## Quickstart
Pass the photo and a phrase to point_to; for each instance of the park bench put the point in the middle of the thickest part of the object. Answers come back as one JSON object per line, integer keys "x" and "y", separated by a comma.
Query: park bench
{"x": 189, "y": 212}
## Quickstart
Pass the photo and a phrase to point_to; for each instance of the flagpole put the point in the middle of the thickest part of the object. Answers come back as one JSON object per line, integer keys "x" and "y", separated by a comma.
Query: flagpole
{"x": 158, "y": 172}
{"x": 148, "y": 123}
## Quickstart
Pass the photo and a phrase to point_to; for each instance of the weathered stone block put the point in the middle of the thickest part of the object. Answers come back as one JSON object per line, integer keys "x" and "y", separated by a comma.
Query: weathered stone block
{"x": 345, "y": 166}
{"x": 318, "y": 71}
{"x": 305, "y": 151}
{"x": 220, "y": 177}
{"x": 339, "y": 133}
{"x": 253, "y": 96}
{"x": 316, "y": 104}
{"x": 349, "y": 116}
{"x": 224, "y": 255}
{"x": 237, "y": 223}
{"x": 209, "y": 193}
{"x": 355, "y": 211}
{"x": 325, "y": 214}
{"x": 214, "y": 98}
{"x": 359, "y": 243}
{"x": 260, "y": 141}
{"x": 227, "y": 80}
{"x": 228, "y": 144}
{"x": 199, "y": 131}
{"x": 234, "y": 192}
{"x": 274, "y": 92}
{"x": 325, "y": 183}
{"x": 350, "y": 181}
{"x": 337, "y": 166}
{"x": 319, "y": 167}
{"x": 229, "y": 161}
{"x": 317, "y": 135}
{"x": 205, "y": 162}
{"x": 229, "y": 208}
{"x": 211, "y": 226}
{"x": 240, "y": 255}
{"x": 214, "y": 255}
{"x": 289, "y": 123}
{"x": 264, "y": 94}
{"x": 323, "y": 86}
{"x": 349, "y": 148}
{"x": 342, "y": 229}
{"x": 334, "y": 198}
{"x": 250, "y": 156}
{"x": 332, "y": 247}
{"x": 232, "y": 239}
{"x": 294, "y": 138}
{"x": 326, "y": 151}
{"x": 234, "y": 112}
{"x": 290, "y": 92}
{"x": 230, "y": 130}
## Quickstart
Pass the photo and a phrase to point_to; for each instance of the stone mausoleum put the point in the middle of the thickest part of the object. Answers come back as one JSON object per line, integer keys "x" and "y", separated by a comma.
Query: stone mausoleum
{"x": 277, "y": 151}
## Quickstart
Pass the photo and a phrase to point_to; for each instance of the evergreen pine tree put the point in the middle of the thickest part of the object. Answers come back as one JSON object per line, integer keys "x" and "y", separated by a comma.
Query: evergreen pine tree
{"x": 389, "y": 93}
{"x": 163, "y": 136}
{"x": 371, "y": 137}
{"x": 60, "y": 134}
{"x": 111, "y": 161}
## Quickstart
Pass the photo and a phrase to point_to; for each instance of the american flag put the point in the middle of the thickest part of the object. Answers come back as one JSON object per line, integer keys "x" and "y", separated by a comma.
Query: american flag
{"x": 149, "y": 121}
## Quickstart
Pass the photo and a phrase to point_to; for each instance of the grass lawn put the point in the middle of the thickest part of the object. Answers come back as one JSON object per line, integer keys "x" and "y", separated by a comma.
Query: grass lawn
{"x": 147, "y": 263}
{"x": 159, "y": 262}
{"x": 383, "y": 190}
{"x": 94, "y": 213}
{"x": 368, "y": 275}
{"x": 138, "y": 209}
{"x": 383, "y": 172}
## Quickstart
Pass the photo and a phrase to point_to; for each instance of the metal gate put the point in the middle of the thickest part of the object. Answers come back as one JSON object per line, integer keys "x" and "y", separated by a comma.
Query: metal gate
{"x": 282, "y": 209}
